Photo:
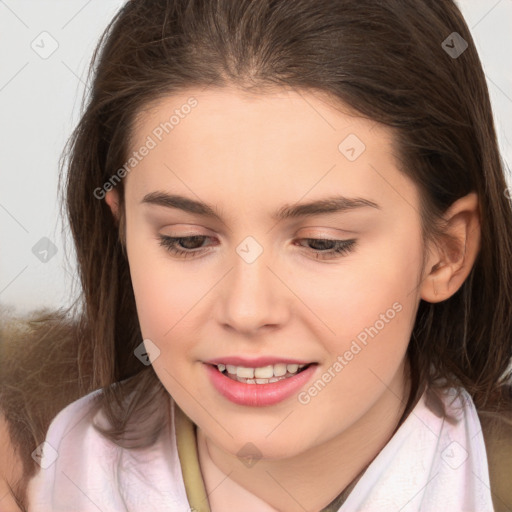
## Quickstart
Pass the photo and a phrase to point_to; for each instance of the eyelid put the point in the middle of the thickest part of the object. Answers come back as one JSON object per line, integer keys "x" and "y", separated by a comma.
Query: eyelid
{"x": 341, "y": 247}
{"x": 329, "y": 231}
{"x": 187, "y": 231}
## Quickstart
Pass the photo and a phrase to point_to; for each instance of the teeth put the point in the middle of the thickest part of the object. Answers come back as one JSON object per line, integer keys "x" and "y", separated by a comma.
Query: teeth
{"x": 264, "y": 373}
{"x": 279, "y": 370}
{"x": 260, "y": 375}
{"x": 246, "y": 373}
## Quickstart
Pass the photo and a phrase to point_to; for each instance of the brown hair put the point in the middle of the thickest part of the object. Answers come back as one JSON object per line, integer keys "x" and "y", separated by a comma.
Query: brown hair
{"x": 385, "y": 60}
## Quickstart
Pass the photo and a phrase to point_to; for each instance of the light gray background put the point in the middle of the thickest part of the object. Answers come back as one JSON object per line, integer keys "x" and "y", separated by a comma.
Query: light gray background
{"x": 40, "y": 102}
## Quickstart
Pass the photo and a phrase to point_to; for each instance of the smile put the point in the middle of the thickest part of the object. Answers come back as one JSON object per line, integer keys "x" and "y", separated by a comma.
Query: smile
{"x": 247, "y": 386}
{"x": 262, "y": 374}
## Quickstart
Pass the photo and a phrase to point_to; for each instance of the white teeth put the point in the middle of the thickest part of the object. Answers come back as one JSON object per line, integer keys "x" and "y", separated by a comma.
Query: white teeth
{"x": 264, "y": 372}
{"x": 279, "y": 370}
{"x": 247, "y": 373}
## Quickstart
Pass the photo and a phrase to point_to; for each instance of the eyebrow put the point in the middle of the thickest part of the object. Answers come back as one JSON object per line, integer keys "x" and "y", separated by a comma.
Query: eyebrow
{"x": 332, "y": 204}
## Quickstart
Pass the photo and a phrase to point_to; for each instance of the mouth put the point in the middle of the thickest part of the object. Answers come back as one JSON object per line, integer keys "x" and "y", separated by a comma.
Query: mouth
{"x": 259, "y": 386}
{"x": 263, "y": 374}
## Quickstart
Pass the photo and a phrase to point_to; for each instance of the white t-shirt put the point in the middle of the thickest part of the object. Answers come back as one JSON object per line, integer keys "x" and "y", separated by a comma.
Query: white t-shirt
{"x": 433, "y": 463}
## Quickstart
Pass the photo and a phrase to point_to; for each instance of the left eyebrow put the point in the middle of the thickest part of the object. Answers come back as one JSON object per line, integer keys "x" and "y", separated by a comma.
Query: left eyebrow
{"x": 333, "y": 204}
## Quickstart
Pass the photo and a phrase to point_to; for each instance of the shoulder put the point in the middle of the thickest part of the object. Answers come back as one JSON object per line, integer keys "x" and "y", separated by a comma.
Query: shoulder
{"x": 72, "y": 450}
{"x": 79, "y": 466}
{"x": 71, "y": 423}
{"x": 74, "y": 431}
{"x": 71, "y": 435}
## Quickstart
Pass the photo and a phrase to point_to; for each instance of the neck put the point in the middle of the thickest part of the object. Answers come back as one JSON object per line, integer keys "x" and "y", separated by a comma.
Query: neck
{"x": 309, "y": 480}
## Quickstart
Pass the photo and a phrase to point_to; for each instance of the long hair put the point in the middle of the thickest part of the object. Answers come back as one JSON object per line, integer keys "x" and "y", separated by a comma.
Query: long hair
{"x": 384, "y": 59}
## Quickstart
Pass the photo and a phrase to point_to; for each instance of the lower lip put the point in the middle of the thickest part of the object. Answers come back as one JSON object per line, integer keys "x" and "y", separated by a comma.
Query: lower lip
{"x": 258, "y": 395}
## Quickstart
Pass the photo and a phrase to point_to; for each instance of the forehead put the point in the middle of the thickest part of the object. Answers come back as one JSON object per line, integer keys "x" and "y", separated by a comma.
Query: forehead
{"x": 294, "y": 116}
{"x": 261, "y": 147}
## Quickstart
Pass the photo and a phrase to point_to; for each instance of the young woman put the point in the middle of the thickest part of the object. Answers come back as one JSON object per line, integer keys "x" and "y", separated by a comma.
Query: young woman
{"x": 294, "y": 239}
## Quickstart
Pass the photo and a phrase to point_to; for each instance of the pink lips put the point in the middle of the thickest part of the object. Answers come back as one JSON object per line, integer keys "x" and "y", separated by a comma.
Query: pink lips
{"x": 257, "y": 395}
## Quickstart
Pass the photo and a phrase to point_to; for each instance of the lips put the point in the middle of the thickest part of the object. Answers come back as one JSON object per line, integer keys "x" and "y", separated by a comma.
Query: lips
{"x": 251, "y": 372}
{"x": 258, "y": 394}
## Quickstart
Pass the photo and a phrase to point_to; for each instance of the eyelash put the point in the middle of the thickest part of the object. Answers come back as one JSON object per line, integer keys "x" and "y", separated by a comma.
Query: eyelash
{"x": 341, "y": 247}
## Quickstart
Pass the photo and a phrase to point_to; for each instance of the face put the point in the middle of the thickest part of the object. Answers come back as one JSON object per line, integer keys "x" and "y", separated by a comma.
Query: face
{"x": 265, "y": 279}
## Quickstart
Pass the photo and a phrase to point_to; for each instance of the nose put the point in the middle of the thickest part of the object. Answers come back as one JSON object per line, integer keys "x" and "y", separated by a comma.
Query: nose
{"x": 252, "y": 297}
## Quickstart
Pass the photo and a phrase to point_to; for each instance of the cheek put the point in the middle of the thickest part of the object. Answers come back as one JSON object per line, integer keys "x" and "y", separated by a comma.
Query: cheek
{"x": 370, "y": 307}
{"x": 162, "y": 294}
{"x": 380, "y": 277}
{"x": 380, "y": 314}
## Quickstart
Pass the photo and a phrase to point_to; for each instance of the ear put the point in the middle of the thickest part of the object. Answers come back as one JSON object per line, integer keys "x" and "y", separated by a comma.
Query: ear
{"x": 453, "y": 257}
{"x": 112, "y": 199}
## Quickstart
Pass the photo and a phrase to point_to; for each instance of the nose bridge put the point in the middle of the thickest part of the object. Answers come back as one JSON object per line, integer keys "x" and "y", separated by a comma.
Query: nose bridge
{"x": 250, "y": 297}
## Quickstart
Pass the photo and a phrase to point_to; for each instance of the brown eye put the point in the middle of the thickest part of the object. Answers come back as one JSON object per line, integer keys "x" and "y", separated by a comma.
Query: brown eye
{"x": 182, "y": 246}
{"x": 327, "y": 248}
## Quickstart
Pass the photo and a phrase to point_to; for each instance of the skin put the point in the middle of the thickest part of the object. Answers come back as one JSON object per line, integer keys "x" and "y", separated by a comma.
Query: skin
{"x": 249, "y": 155}
{"x": 10, "y": 469}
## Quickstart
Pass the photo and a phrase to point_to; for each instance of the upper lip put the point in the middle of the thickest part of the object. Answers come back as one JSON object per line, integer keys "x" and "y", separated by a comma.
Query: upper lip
{"x": 256, "y": 362}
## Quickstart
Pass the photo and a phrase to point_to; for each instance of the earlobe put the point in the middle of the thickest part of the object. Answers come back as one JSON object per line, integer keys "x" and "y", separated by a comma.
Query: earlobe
{"x": 112, "y": 199}
{"x": 454, "y": 256}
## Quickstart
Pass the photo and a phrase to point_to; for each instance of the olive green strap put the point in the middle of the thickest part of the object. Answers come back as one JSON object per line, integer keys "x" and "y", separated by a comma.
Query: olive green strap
{"x": 189, "y": 460}
{"x": 497, "y": 432}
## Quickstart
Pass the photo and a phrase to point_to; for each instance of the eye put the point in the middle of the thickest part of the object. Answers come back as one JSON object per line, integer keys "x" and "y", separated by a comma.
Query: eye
{"x": 189, "y": 246}
{"x": 334, "y": 249}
